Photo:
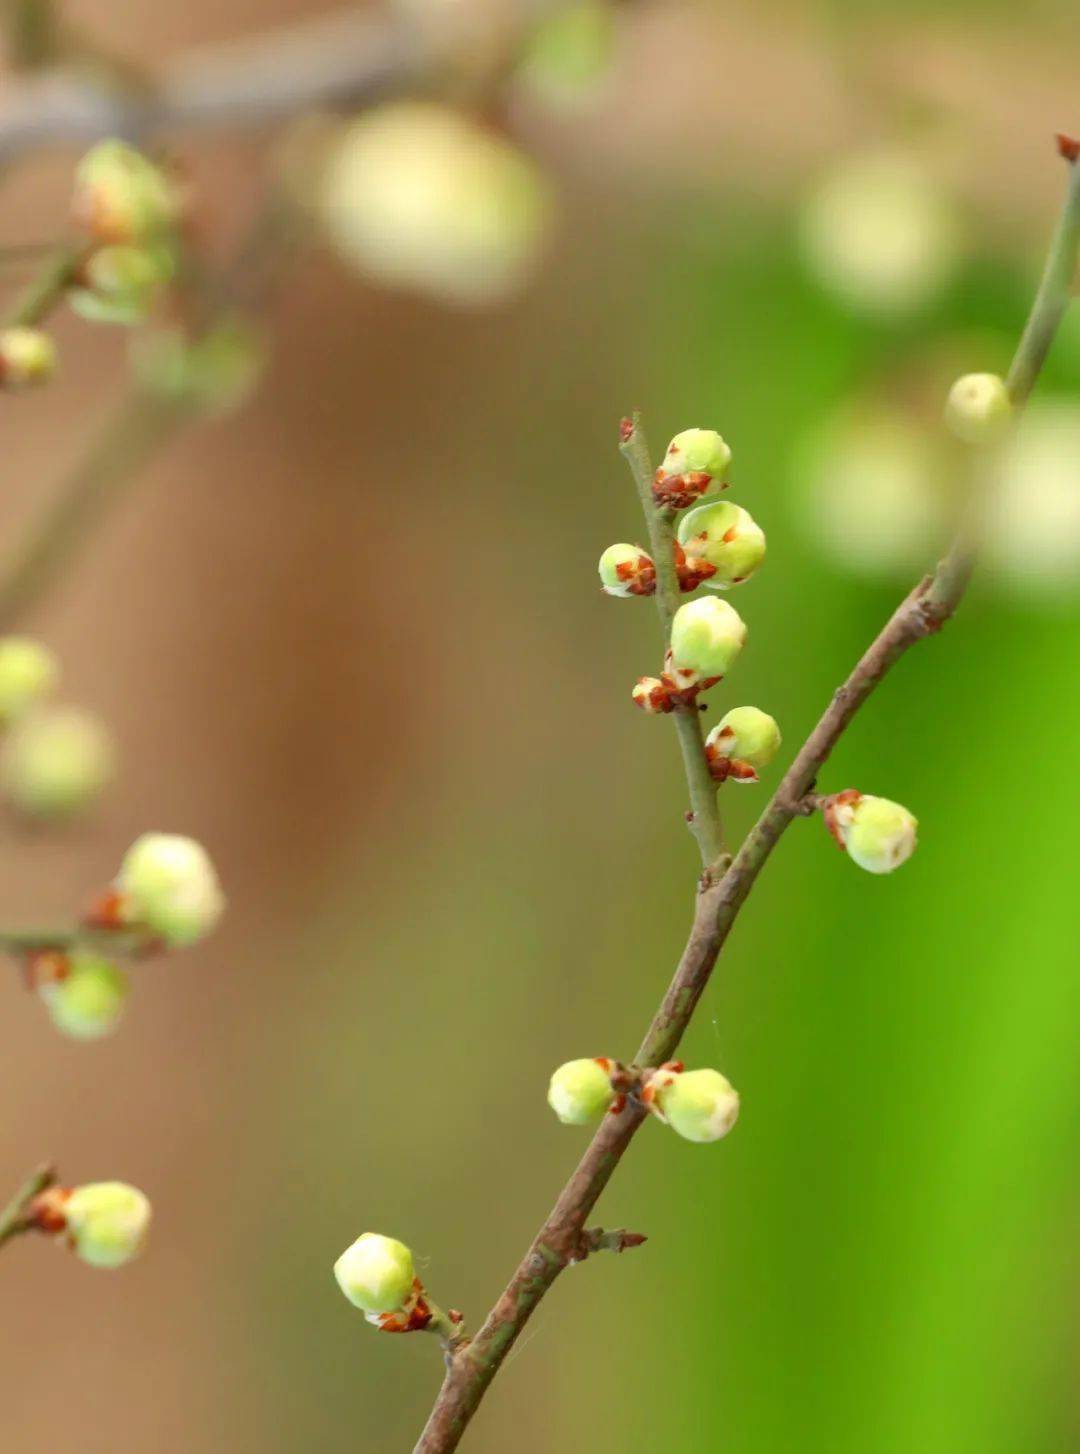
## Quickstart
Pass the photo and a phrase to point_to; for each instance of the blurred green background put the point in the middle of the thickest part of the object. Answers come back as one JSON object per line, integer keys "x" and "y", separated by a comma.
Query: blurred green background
{"x": 353, "y": 640}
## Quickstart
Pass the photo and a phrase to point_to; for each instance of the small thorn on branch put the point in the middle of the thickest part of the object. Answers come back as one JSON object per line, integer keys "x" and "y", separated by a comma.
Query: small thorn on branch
{"x": 596, "y": 1239}
{"x": 626, "y": 429}
{"x": 1068, "y": 147}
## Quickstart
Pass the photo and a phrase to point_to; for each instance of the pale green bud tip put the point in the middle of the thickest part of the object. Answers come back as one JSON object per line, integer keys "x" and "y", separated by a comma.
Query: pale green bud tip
{"x": 879, "y": 835}
{"x": 56, "y": 762}
{"x": 978, "y": 409}
{"x": 745, "y": 735}
{"x": 121, "y": 196}
{"x": 376, "y": 1274}
{"x": 706, "y": 638}
{"x": 29, "y": 671}
{"x": 87, "y": 1002}
{"x": 726, "y": 537}
{"x": 626, "y": 570}
{"x": 106, "y": 1222}
{"x": 27, "y": 357}
{"x": 697, "y": 451}
{"x": 581, "y": 1091}
{"x": 700, "y": 1105}
{"x": 119, "y": 284}
{"x": 168, "y": 884}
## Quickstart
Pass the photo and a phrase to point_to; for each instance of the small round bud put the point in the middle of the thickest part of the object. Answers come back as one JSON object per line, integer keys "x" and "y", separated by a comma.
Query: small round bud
{"x": 29, "y": 672}
{"x": 700, "y": 1105}
{"x": 418, "y": 196}
{"x": 376, "y": 1274}
{"x": 652, "y": 695}
{"x": 87, "y": 1001}
{"x": 581, "y": 1091}
{"x": 745, "y": 740}
{"x": 119, "y": 284}
{"x": 625, "y": 570}
{"x": 706, "y": 638}
{"x": 726, "y": 537}
{"x": 56, "y": 762}
{"x": 168, "y": 884}
{"x": 697, "y": 451}
{"x": 978, "y": 409}
{"x": 27, "y": 357}
{"x": 123, "y": 197}
{"x": 879, "y": 835}
{"x": 105, "y": 1222}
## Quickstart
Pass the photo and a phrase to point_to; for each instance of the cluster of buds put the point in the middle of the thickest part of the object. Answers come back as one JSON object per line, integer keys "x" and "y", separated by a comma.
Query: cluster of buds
{"x": 105, "y": 1223}
{"x": 695, "y": 460}
{"x": 130, "y": 209}
{"x": 54, "y": 760}
{"x": 700, "y": 1105}
{"x": 745, "y": 740}
{"x": 877, "y": 834}
{"x": 377, "y": 1275}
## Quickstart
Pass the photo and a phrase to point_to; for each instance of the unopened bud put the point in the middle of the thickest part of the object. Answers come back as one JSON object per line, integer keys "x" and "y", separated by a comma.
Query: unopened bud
{"x": 700, "y": 1105}
{"x": 878, "y": 835}
{"x": 105, "y": 1222}
{"x": 727, "y": 538}
{"x": 29, "y": 672}
{"x": 581, "y": 1091}
{"x": 652, "y": 695}
{"x": 168, "y": 884}
{"x": 86, "y": 1000}
{"x": 978, "y": 409}
{"x": 706, "y": 638}
{"x": 695, "y": 459}
{"x": 625, "y": 570}
{"x": 376, "y": 1274}
{"x": 119, "y": 284}
{"x": 744, "y": 741}
{"x": 27, "y": 357}
{"x": 56, "y": 762}
{"x": 123, "y": 197}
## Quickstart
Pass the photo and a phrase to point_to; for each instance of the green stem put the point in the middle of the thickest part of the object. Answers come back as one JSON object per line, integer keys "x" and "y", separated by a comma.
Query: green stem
{"x": 705, "y": 823}
{"x": 1053, "y": 296}
{"x": 47, "y": 290}
{"x": 15, "y": 1216}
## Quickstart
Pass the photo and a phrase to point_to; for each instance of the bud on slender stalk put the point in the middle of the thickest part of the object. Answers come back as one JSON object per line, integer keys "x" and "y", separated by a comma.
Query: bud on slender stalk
{"x": 376, "y": 1274}
{"x": 695, "y": 459}
{"x": 745, "y": 740}
{"x": 626, "y": 570}
{"x": 29, "y": 672}
{"x": 879, "y": 835}
{"x": 56, "y": 761}
{"x": 700, "y": 1105}
{"x": 979, "y": 409}
{"x": 168, "y": 884}
{"x": 706, "y": 638}
{"x": 105, "y": 1222}
{"x": 85, "y": 996}
{"x": 581, "y": 1091}
{"x": 27, "y": 357}
{"x": 727, "y": 538}
{"x": 123, "y": 197}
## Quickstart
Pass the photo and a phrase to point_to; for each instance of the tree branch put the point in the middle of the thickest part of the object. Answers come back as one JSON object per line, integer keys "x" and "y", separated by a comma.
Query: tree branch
{"x": 15, "y": 1216}
{"x": 923, "y": 612}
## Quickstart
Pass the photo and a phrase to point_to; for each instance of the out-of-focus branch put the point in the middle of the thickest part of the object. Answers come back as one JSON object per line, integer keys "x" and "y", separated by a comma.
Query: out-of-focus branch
{"x": 15, "y": 1217}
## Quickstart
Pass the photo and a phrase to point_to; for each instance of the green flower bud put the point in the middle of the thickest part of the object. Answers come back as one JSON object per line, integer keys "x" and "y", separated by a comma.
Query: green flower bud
{"x": 697, "y": 451}
{"x": 27, "y": 357}
{"x": 122, "y": 197}
{"x": 745, "y": 740}
{"x": 570, "y": 52}
{"x": 878, "y": 835}
{"x": 581, "y": 1091}
{"x": 87, "y": 1003}
{"x": 106, "y": 1222}
{"x": 706, "y": 638}
{"x": 376, "y": 1274}
{"x": 56, "y": 762}
{"x": 168, "y": 884}
{"x": 418, "y": 196}
{"x": 700, "y": 1105}
{"x": 29, "y": 672}
{"x": 119, "y": 284}
{"x": 727, "y": 538}
{"x": 978, "y": 409}
{"x": 213, "y": 374}
{"x": 625, "y": 570}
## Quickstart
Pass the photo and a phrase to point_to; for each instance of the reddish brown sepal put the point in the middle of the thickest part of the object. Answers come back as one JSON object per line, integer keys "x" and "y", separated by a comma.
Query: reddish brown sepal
{"x": 46, "y": 966}
{"x": 46, "y": 1212}
{"x": 414, "y": 1318}
{"x": 829, "y": 806}
{"x": 638, "y": 576}
{"x": 676, "y": 492}
{"x": 1068, "y": 147}
{"x": 626, "y": 429}
{"x": 692, "y": 570}
{"x": 105, "y": 912}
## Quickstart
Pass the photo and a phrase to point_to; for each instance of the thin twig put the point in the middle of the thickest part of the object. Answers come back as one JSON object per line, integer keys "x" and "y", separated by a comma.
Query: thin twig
{"x": 923, "y": 612}
{"x": 15, "y": 1217}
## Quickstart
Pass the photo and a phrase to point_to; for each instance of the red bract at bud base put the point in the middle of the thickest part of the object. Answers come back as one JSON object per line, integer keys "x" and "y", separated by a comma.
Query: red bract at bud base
{"x": 677, "y": 492}
{"x": 723, "y": 767}
{"x": 691, "y": 569}
{"x": 653, "y": 695}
